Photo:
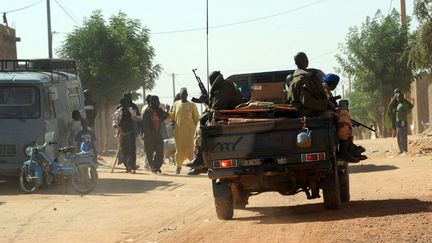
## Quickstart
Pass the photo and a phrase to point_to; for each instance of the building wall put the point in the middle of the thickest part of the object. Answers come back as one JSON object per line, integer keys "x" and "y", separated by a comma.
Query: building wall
{"x": 421, "y": 91}
{"x": 7, "y": 43}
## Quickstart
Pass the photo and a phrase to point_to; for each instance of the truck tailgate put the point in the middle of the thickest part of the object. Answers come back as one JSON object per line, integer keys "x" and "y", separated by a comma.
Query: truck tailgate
{"x": 267, "y": 138}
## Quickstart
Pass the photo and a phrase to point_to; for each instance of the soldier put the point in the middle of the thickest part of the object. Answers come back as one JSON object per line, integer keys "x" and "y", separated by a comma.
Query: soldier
{"x": 330, "y": 81}
{"x": 306, "y": 90}
{"x": 309, "y": 97}
{"x": 223, "y": 96}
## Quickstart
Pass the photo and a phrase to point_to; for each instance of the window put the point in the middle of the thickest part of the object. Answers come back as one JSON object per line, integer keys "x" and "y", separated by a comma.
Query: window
{"x": 74, "y": 98}
{"x": 19, "y": 102}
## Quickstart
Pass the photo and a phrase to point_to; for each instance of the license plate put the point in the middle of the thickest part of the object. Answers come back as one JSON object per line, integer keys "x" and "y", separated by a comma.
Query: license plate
{"x": 250, "y": 162}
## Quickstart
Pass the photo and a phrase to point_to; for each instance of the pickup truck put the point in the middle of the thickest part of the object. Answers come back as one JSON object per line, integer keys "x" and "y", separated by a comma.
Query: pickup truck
{"x": 259, "y": 155}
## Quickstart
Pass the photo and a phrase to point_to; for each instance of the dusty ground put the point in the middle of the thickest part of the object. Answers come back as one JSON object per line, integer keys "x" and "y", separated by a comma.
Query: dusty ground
{"x": 391, "y": 202}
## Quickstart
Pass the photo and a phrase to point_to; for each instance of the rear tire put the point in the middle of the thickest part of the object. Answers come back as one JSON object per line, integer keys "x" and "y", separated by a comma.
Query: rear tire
{"x": 224, "y": 207}
{"x": 332, "y": 197}
{"x": 27, "y": 184}
{"x": 87, "y": 181}
{"x": 344, "y": 186}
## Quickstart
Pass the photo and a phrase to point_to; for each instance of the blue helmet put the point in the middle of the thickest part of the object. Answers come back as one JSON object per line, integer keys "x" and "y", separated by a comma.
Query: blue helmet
{"x": 331, "y": 80}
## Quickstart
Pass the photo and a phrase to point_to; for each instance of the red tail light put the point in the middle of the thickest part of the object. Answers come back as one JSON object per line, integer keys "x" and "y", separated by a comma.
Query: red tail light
{"x": 313, "y": 157}
{"x": 226, "y": 163}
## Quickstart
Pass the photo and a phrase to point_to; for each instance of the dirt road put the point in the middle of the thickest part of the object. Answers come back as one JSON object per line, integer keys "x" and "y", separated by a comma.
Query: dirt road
{"x": 391, "y": 201}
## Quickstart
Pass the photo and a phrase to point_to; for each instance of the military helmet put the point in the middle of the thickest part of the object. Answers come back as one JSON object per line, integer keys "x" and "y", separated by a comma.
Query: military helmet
{"x": 213, "y": 75}
{"x": 332, "y": 80}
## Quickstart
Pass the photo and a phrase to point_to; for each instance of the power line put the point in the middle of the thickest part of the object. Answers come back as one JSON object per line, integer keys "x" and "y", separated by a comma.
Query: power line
{"x": 19, "y": 9}
{"x": 67, "y": 13}
{"x": 240, "y": 22}
{"x": 68, "y": 9}
{"x": 391, "y": 3}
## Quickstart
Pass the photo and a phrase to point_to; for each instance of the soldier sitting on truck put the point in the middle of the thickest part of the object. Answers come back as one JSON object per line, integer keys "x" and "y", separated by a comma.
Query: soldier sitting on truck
{"x": 330, "y": 81}
{"x": 223, "y": 96}
{"x": 307, "y": 94}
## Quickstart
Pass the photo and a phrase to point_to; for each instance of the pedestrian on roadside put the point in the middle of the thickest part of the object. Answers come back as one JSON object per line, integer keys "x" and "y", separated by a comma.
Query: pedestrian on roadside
{"x": 86, "y": 139}
{"x": 74, "y": 127}
{"x": 185, "y": 115}
{"x": 402, "y": 107}
{"x": 145, "y": 106}
{"x": 90, "y": 109}
{"x": 391, "y": 111}
{"x": 124, "y": 119}
{"x": 152, "y": 127}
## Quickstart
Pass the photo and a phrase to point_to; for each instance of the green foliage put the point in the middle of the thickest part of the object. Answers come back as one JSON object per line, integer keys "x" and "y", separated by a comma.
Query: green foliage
{"x": 374, "y": 54}
{"x": 420, "y": 55}
{"x": 112, "y": 56}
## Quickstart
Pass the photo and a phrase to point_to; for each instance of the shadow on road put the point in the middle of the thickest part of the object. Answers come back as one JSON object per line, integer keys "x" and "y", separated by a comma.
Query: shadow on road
{"x": 370, "y": 168}
{"x": 355, "y": 209}
{"x": 118, "y": 186}
{"x": 105, "y": 186}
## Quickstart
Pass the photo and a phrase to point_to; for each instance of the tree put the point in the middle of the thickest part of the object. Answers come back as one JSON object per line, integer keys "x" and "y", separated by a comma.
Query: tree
{"x": 112, "y": 57}
{"x": 374, "y": 55}
{"x": 420, "y": 55}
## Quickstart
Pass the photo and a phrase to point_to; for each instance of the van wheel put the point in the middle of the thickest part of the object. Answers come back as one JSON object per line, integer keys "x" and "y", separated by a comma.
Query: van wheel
{"x": 344, "y": 186}
{"x": 332, "y": 197}
{"x": 224, "y": 207}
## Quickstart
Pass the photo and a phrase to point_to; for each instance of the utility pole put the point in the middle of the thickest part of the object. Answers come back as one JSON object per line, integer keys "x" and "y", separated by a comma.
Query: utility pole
{"x": 349, "y": 84}
{"x": 49, "y": 29}
{"x": 173, "y": 84}
{"x": 403, "y": 13}
{"x": 143, "y": 94}
{"x": 343, "y": 92}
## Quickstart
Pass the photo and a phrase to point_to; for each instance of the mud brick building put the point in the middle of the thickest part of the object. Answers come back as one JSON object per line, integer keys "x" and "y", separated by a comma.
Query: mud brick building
{"x": 8, "y": 42}
{"x": 421, "y": 92}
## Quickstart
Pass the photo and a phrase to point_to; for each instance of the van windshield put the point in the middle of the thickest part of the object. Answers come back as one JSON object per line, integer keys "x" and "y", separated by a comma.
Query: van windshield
{"x": 19, "y": 102}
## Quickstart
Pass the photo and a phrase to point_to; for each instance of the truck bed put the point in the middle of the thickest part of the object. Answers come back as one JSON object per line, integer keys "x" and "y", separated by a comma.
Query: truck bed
{"x": 272, "y": 138}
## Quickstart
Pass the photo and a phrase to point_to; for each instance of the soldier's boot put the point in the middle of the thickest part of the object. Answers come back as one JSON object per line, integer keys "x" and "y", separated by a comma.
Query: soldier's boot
{"x": 345, "y": 153}
{"x": 197, "y": 163}
{"x": 197, "y": 171}
{"x": 361, "y": 148}
{"x": 357, "y": 151}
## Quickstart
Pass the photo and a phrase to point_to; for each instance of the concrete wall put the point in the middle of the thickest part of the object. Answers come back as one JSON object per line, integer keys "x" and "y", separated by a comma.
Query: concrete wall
{"x": 8, "y": 43}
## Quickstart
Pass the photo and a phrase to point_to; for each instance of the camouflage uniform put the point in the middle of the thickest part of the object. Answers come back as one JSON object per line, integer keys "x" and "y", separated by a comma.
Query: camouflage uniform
{"x": 224, "y": 95}
{"x": 309, "y": 96}
{"x": 342, "y": 116}
{"x": 307, "y": 93}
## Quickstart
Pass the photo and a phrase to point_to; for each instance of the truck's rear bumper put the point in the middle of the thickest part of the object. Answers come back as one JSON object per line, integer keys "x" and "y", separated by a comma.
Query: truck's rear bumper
{"x": 322, "y": 166}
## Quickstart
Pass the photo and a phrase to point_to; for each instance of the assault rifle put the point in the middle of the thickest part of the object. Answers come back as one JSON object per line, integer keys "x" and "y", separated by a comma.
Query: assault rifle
{"x": 204, "y": 98}
{"x": 344, "y": 105}
{"x": 355, "y": 123}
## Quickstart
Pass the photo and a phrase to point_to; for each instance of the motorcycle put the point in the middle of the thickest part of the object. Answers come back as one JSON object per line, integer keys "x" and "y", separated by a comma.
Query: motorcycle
{"x": 78, "y": 168}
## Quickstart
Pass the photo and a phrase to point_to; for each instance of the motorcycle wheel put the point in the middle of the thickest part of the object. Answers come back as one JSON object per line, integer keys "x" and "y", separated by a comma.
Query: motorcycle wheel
{"x": 27, "y": 184}
{"x": 86, "y": 181}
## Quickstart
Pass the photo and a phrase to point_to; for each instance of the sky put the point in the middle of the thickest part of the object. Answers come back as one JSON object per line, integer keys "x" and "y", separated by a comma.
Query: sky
{"x": 250, "y": 35}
